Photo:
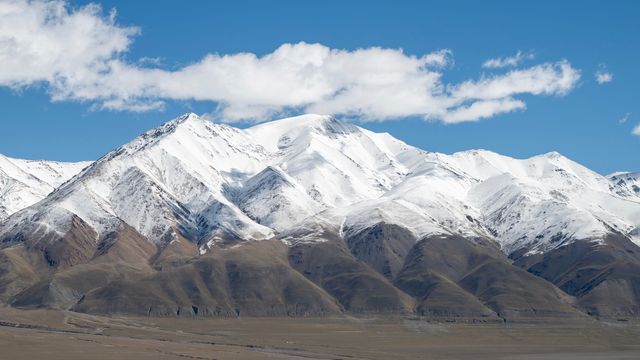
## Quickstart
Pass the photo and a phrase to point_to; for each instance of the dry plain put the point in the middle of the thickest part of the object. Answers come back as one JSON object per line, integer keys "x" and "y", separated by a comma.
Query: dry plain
{"x": 51, "y": 335}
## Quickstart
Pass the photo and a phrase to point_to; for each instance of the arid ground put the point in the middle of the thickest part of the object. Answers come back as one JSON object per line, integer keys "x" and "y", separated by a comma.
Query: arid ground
{"x": 44, "y": 334}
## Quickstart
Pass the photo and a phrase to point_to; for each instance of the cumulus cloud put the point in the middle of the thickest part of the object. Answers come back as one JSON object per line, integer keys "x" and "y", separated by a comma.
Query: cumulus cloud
{"x": 79, "y": 54}
{"x": 42, "y": 41}
{"x": 636, "y": 130}
{"x": 603, "y": 75}
{"x": 509, "y": 61}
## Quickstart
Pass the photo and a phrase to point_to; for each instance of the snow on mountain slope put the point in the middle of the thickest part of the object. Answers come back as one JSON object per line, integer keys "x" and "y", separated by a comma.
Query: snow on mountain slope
{"x": 524, "y": 215}
{"x": 302, "y": 176}
{"x": 25, "y": 182}
{"x": 474, "y": 192}
{"x": 628, "y": 182}
{"x": 435, "y": 196}
{"x": 275, "y": 199}
{"x": 338, "y": 163}
{"x": 536, "y": 204}
{"x": 541, "y": 202}
{"x": 170, "y": 178}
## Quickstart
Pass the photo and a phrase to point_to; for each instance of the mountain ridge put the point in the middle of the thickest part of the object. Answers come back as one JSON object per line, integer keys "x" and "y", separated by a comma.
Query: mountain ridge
{"x": 360, "y": 166}
{"x": 337, "y": 205}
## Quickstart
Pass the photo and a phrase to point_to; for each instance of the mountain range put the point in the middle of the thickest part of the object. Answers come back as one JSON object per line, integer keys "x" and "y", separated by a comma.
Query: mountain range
{"x": 310, "y": 216}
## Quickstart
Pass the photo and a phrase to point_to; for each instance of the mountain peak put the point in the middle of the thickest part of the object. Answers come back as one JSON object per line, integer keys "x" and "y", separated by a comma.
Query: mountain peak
{"x": 297, "y": 122}
{"x": 188, "y": 127}
{"x": 191, "y": 117}
{"x": 275, "y": 134}
{"x": 552, "y": 155}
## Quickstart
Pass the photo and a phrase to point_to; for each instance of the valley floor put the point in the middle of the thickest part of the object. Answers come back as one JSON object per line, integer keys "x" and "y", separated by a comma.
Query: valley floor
{"x": 43, "y": 334}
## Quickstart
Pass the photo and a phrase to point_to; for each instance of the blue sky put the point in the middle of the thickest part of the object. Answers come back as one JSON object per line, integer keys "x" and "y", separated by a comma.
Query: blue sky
{"x": 583, "y": 120}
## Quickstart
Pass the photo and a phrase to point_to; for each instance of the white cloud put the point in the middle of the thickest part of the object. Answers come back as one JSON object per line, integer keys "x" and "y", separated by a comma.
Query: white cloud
{"x": 603, "y": 75}
{"x": 509, "y": 61}
{"x": 45, "y": 42}
{"x": 636, "y": 130}
{"x": 482, "y": 109}
{"x": 625, "y": 118}
{"x": 441, "y": 58}
{"x": 78, "y": 55}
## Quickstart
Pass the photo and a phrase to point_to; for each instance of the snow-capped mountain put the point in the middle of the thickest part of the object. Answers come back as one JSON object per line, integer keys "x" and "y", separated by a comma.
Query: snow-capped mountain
{"x": 331, "y": 216}
{"x": 25, "y": 182}
{"x": 212, "y": 182}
